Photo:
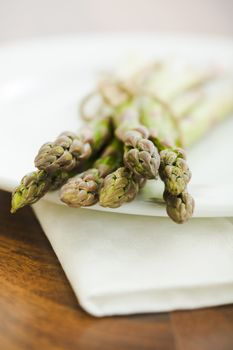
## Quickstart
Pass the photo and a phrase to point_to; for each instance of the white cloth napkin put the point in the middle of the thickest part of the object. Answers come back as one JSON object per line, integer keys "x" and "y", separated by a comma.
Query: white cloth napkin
{"x": 123, "y": 264}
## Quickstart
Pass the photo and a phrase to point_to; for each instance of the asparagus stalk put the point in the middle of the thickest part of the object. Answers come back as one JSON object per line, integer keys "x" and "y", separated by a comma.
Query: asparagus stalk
{"x": 83, "y": 190}
{"x": 174, "y": 172}
{"x": 34, "y": 186}
{"x": 140, "y": 155}
{"x": 179, "y": 208}
{"x": 119, "y": 187}
{"x": 69, "y": 149}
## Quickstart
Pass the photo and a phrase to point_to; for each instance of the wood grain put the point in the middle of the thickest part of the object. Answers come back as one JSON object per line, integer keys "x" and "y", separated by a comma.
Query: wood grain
{"x": 38, "y": 309}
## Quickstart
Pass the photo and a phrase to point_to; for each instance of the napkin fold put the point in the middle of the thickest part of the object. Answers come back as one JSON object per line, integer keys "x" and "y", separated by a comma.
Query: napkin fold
{"x": 123, "y": 264}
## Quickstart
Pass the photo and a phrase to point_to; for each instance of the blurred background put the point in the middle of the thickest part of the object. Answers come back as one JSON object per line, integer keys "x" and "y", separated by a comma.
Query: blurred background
{"x": 28, "y": 18}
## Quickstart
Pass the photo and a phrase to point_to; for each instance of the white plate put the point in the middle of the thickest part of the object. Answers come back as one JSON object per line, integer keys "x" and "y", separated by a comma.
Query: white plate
{"x": 42, "y": 81}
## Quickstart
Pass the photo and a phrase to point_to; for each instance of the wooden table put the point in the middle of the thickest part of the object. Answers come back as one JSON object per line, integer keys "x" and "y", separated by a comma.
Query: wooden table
{"x": 38, "y": 309}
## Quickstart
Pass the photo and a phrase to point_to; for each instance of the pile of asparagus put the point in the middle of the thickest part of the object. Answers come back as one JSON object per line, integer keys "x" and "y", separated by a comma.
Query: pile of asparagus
{"x": 137, "y": 132}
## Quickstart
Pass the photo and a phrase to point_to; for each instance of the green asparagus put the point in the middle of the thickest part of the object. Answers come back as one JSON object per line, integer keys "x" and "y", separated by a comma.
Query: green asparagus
{"x": 119, "y": 187}
{"x": 69, "y": 149}
{"x": 174, "y": 171}
{"x": 32, "y": 187}
{"x": 140, "y": 155}
{"x": 179, "y": 208}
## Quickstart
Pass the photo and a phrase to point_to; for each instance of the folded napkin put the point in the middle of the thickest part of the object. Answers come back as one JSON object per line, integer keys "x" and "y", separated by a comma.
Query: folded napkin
{"x": 123, "y": 264}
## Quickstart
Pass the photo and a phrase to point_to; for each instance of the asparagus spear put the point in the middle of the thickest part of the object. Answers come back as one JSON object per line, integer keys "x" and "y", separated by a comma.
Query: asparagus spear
{"x": 34, "y": 185}
{"x": 83, "y": 190}
{"x": 173, "y": 171}
{"x": 179, "y": 208}
{"x": 175, "y": 174}
{"x": 119, "y": 187}
{"x": 69, "y": 149}
{"x": 140, "y": 155}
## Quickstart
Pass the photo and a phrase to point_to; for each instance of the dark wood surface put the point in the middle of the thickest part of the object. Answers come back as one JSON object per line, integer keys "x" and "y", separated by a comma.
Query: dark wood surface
{"x": 38, "y": 309}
